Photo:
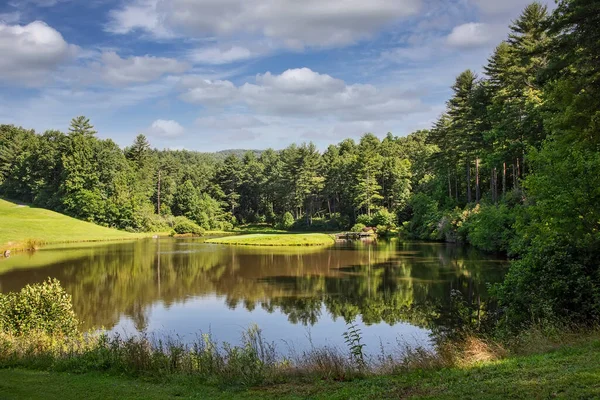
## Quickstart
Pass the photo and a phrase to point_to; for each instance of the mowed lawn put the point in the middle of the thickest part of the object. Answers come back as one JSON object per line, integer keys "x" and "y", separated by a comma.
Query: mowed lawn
{"x": 571, "y": 372}
{"x": 20, "y": 223}
{"x": 284, "y": 239}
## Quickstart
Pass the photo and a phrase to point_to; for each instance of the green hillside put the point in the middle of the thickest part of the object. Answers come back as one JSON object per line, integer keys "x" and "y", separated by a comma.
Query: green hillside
{"x": 20, "y": 224}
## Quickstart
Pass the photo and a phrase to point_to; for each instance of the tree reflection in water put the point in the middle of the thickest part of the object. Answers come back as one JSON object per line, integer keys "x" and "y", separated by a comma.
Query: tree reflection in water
{"x": 383, "y": 281}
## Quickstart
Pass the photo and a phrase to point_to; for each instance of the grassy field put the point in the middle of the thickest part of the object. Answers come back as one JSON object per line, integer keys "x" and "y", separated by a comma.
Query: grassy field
{"x": 570, "y": 372}
{"x": 21, "y": 226}
{"x": 286, "y": 239}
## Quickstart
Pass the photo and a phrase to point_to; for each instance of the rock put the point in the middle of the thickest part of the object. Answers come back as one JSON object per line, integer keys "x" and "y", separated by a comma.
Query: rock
{"x": 7, "y": 253}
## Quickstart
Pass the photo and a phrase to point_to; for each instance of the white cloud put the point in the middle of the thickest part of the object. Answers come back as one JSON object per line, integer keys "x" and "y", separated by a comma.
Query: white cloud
{"x": 303, "y": 92}
{"x": 208, "y": 92}
{"x": 122, "y": 71}
{"x": 218, "y": 55}
{"x": 292, "y": 23}
{"x": 141, "y": 14}
{"x": 472, "y": 34}
{"x": 31, "y": 51}
{"x": 165, "y": 128}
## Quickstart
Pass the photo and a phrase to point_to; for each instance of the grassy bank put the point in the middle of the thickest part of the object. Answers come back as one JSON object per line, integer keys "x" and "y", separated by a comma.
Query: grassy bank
{"x": 569, "y": 372}
{"x": 300, "y": 239}
{"x": 23, "y": 227}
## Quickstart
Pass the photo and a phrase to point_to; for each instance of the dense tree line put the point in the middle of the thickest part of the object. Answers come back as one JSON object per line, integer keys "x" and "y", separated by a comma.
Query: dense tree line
{"x": 138, "y": 188}
{"x": 512, "y": 165}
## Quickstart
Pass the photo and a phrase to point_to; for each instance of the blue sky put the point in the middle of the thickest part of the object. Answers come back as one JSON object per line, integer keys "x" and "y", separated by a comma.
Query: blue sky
{"x": 217, "y": 74}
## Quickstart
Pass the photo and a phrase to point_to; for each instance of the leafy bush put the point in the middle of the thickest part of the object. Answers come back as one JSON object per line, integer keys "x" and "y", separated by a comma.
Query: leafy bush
{"x": 43, "y": 307}
{"x": 385, "y": 218}
{"x": 358, "y": 228}
{"x": 185, "y": 226}
{"x": 287, "y": 221}
{"x": 491, "y": 229}
{"x": 554, "y": 282}
{"x": 364, "y": 219}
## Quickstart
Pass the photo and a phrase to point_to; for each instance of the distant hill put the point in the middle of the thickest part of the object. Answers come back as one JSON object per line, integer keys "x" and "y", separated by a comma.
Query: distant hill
{"x": 237, "y": 152}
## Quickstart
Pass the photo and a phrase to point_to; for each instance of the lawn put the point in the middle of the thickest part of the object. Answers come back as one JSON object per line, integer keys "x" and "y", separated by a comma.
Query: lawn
{"x": 571, "y": 372}
{"x": 21, "y": 223}
{"x": 282, "y": 239}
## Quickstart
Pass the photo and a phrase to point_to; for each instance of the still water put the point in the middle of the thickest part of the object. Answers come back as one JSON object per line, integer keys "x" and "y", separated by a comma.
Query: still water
{"x": 395, "y": 291}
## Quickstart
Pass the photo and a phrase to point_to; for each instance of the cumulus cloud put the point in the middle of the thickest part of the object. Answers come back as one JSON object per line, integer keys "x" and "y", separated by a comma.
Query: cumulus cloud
{"x": 136, "y": 69}
{"x": 220, "y": 55}
{"x": 303, "y": 92}
{"x": 472, "y": 34}
{"x": 165, "y": 128}
{"x": 31, "y": 51}
{"x": 292, "y": 23}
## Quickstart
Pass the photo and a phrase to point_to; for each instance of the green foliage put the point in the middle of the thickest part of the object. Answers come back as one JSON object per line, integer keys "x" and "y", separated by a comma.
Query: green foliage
{"x": 44, "y": 307}
{"x": 385, "y": 218}
{"x": 358, "y": 227}
{"x": 182, "y": 225}
{"x": 491, "y": 228}
{"x": 287, "y": 221}
{"x": 364, "y": 219}
{"x": 353, "y": 339}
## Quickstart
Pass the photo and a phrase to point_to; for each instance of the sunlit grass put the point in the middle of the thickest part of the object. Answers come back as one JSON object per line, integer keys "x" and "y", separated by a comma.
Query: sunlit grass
{"x": 23, "y": 227}
{"x": 300, "y": 239}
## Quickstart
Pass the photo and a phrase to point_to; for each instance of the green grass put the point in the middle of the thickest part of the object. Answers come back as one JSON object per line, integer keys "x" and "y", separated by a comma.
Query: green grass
{"x": 22, "y": 227}
{"x": 287, "y": 239}
{"x": 570, "y": 372}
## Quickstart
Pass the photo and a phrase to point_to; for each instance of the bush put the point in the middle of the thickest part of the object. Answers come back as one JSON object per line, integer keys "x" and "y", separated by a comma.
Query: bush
{"x": 358, "y": 228}
{"x": 364, "y": 219}
{"x": 491, "y": 229}
{"x": 554, "y": 282}
{"x": 43, "y": 307}
{"x": 385, "y": 218}
{"x": 287, "y": 221}
{"x": 185, "y": 226}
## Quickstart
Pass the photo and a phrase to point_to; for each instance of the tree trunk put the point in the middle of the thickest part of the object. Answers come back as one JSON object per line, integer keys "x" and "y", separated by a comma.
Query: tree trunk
{"x": 469, "y": 197}
{"x": 514, "y": 175}
{"x": 504, "y": 178}
{"x": 495, "y": 185}
{"x": 158, "y": 195}
{"x": 449, "y": 186}
{"x": 456, "y": 186}
{"x": 477, "y": 189}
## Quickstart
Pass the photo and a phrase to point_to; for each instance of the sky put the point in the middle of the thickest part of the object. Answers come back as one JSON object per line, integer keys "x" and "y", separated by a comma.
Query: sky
{"x": 210, "y": 75}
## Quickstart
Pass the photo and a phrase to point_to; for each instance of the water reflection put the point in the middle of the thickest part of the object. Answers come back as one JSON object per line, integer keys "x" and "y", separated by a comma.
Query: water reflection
{"x": 181, "y": 285}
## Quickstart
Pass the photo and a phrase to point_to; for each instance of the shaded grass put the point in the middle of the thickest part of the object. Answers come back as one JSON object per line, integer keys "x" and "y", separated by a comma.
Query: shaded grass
{"x": 24, "y": 227}
{"x": 300, "y": 239}
{"x": 569, "y": 372}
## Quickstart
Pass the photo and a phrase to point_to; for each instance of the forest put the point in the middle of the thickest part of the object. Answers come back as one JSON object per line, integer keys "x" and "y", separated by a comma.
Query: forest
{"x": 511, "y": 166}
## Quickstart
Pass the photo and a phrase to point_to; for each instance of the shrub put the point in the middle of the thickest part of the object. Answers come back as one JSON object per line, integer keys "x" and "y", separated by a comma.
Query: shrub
{"x": 43, "y": 307}
{"x": 554, "y": 282}
{"x": 492, "y": 228}
{"x": 287, "y": 221}
{"x": 185, "y": 226}
{"x": 385, "y": 218}
{"x": 364, "y": 219}
{"x": 358, "y": 228}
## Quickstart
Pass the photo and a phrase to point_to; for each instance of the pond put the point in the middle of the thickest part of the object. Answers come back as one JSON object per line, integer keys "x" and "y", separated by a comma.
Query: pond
{"x": 396, "y": 292}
